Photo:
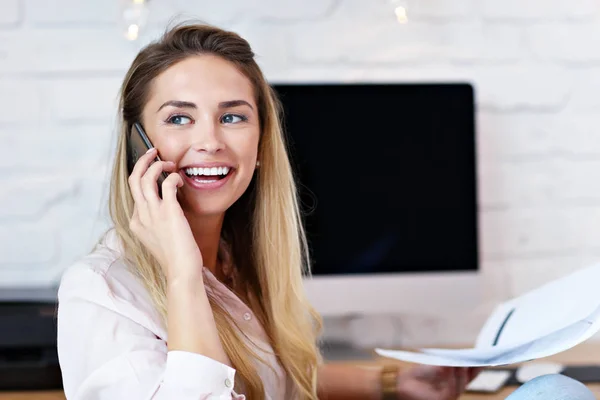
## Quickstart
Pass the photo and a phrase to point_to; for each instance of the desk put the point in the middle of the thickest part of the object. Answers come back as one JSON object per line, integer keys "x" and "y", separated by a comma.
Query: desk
{"x": 582, "y": 354}
{"x": 587, "y": 353}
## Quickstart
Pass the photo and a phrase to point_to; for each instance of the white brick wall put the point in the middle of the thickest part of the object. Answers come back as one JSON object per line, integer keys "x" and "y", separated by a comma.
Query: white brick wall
{"x": 535, "y": 66}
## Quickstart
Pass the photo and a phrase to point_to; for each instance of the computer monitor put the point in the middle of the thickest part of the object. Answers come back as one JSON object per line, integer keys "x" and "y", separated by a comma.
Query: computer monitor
{"x": 387, "y": 180}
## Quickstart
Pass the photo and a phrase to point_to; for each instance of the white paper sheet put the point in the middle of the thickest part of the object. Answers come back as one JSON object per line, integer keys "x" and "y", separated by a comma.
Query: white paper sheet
{"x": 541, "y": 323}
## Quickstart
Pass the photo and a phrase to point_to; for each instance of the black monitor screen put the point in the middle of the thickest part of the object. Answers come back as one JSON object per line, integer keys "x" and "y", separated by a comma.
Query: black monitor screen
{"x": 386, "y": 174}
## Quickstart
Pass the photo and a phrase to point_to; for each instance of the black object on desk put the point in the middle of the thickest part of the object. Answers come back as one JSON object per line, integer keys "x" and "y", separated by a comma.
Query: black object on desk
{"x": 28, "y": 355}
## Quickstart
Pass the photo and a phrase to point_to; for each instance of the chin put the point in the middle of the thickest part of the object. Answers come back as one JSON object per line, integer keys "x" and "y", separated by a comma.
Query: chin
{"x": 206, "y": 207}
{"x": 208, "y": 210}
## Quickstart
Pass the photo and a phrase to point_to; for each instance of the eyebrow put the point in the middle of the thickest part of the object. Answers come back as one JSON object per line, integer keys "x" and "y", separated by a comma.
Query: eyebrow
{"x": 189, "y": 104}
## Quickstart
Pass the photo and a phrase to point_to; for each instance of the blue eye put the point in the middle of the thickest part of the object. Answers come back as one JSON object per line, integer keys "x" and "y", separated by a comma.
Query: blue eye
{"x": 179, "y": 120}
{"x": 233, "y": 118}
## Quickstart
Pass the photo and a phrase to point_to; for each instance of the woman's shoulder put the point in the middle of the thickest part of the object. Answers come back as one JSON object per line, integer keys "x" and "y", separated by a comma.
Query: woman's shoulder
{"x": 102, "y": 278}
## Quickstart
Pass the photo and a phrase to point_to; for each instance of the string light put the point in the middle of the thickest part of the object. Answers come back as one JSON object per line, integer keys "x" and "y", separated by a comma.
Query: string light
{"x": 134, "y": 14}
{"x": 400, "y": 8}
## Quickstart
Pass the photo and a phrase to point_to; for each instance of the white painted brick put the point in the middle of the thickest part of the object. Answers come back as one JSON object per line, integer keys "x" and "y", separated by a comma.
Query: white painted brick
{"x": 531, "y": 232}
{"x": 76, "y": 220}
{"x": 506, "y": 137}
{"x": 10, "y": 13}
{"x": 76, "y": 239}
{"x": 577, "y": 134}
{"x": 580, "y": 181}
{"x": 212, "y": 12}
{"x": 292, "y": 10}
{"x": 522, "y": 88}
{"x": 90, "y": 200}
{"x": 26, "y": 244}
{"x": 66, "y": 50}
{"x": 234, "y": 11}
{"x": 416, "y": 10}
{"x": 369, "y": 41}
{"x": 440, "y": 9}
{"x": 565, "y": 42}
{"x": 476, "y": 43}
{"x": 81, "y": 218}
{"x": 30, "y": 275}
{"x": 584, "y": 96}
{"x": 587, "y": 224}
{"x": 58, "y": 12}
{"x": 56, "y": 148}
{"x": 20, "y": 101}
{"x": 550, "y": 181}
{"x": 362, "y": 41}
{"x": 269, "y": 43}
{"x": 539, "y": 9}
{"x": 494, "y": 280}
{"x": 502, "y": 136}
{"x": 521, "y": 184}
{"x": 317, "y": 72}
{"x": 499, "y": 88}
{"x": 72, "y": 100}
{"x": 29, "y": 197}
{"x": 526, "y": 275}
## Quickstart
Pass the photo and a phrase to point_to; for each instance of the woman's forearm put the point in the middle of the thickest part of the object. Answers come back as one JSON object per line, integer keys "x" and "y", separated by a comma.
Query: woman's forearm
{"x": 348, "y": 382}
{"x": 191, "y": 324}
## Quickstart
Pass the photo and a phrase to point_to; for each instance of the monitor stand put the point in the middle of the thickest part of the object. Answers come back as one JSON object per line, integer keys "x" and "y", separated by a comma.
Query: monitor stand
{"x": 336, "y": 342}
{"x": 338, "y": 350}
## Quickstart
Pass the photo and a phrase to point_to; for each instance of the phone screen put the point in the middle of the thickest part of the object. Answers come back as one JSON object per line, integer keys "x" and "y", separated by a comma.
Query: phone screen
{"x": 138, "y": 145}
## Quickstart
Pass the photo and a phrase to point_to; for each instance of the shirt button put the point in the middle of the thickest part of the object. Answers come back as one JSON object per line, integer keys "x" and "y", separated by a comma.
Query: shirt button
{"x": 228, "y": 383}
{"x": 247, "y": 316}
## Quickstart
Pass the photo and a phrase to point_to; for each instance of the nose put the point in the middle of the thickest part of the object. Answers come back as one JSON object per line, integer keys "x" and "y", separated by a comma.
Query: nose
{"x": 207, "y": 137}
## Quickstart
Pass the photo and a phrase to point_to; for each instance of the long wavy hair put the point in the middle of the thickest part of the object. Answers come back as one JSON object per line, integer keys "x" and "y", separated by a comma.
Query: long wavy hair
{"x": 263, "y": 229}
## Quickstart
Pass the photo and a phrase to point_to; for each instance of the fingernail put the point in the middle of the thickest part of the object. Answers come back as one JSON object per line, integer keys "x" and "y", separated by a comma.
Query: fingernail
{"x": 150, "y": 150}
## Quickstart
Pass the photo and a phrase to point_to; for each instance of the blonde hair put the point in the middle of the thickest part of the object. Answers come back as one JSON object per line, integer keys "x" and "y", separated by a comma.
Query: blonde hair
{"x": 270, "y": 257}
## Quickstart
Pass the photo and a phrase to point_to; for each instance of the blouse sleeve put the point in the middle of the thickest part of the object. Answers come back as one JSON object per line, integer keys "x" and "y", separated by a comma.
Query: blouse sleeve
{"x": 105, "y": 355}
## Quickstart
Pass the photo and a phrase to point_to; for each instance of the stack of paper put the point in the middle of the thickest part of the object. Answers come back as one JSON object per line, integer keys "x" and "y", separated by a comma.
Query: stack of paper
{"x": 541, "y": 323}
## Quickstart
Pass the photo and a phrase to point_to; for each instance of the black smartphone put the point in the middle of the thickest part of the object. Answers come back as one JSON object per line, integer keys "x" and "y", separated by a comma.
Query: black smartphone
{"x": 138, "y": 145}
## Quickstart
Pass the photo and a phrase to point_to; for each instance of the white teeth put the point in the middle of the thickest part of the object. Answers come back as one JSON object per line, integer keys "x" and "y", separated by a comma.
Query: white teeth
{"x": 214, "y": 171}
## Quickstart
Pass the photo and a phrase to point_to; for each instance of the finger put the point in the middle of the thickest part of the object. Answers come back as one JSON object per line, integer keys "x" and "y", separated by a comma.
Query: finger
{"x": 454, "y": 382}
{"x": 149, "y": 181}
{"x": 169, "y": 188}
{"x": 139, "y": 169}
{"x": 473, "y": 372}
{"x": 461, "y": 379}
{"x": 135, "y": 219}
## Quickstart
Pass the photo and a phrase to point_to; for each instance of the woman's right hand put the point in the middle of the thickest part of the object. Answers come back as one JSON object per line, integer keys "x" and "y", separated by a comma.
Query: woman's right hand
{"x": 160, "y": 224}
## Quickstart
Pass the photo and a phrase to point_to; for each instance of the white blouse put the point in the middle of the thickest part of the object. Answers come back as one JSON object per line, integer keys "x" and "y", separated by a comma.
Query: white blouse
{"x": 112, "y": 345}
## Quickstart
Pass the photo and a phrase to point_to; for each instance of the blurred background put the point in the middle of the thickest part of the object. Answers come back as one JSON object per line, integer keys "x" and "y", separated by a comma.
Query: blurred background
{"x": 534, "y": 65}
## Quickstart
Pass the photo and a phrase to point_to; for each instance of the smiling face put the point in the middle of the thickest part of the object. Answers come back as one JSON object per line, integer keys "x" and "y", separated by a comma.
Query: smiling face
{"x": 202, "y": 115}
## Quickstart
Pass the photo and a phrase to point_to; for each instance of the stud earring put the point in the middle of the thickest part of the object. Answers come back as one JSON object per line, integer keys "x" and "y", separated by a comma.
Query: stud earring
{"x": 258, "y": 163}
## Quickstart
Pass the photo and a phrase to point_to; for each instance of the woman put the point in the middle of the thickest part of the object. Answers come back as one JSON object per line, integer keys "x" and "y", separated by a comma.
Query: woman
{"x": 197, "y": 293}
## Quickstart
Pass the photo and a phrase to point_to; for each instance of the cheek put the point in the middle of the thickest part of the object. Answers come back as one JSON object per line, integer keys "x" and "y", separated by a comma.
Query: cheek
{"x": 170, "y": 149}
{"x": 246, "y": 149}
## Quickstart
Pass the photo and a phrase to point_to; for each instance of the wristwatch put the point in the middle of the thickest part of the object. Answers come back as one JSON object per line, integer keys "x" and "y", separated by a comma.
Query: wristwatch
{"x": 389, "y": 382}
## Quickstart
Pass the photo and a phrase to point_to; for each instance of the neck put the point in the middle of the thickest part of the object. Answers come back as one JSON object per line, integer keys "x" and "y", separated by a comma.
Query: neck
{"x": 207, "y": 233}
